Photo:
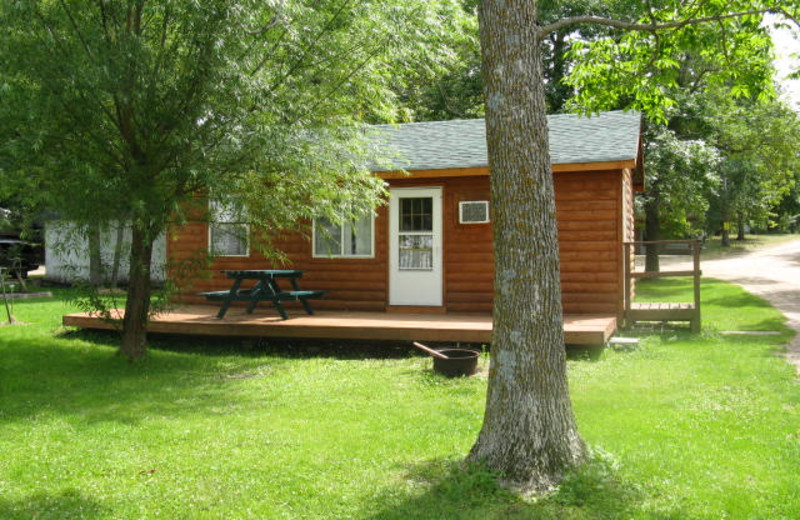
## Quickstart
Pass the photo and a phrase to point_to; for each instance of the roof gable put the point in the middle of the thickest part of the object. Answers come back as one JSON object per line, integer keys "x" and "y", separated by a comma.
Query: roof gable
{"x": 606, "y": 137}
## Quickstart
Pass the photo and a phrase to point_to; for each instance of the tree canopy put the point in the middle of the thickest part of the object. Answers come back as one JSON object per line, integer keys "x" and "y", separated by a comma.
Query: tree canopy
{"x": 130, "y": 108}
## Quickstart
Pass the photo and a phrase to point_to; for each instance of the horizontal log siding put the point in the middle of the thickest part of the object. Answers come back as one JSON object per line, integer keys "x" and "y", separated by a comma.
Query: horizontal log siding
{"x": 357, "y": 284}
{"x": 590, "y": 230}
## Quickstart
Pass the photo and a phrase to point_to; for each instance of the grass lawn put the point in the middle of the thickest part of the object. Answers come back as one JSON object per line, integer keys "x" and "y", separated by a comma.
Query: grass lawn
{"x": 685, "y": 426}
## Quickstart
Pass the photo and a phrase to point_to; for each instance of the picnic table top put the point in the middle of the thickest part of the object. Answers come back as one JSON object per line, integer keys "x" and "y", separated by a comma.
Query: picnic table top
{"x": 259, "y": 273}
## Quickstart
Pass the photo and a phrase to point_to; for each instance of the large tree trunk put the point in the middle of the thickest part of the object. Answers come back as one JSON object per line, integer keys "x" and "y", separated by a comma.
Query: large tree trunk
{"x": 529, "y": 434}
{"x": 652, "y": 229}
{"x": 137, "y": 307}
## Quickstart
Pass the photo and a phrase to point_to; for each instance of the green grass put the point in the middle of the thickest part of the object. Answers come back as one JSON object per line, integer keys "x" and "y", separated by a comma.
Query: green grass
{"x": 685, "y": 426}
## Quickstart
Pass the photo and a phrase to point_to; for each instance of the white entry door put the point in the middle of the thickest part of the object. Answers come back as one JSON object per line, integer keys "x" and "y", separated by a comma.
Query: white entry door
{"x": 415, "y": 246}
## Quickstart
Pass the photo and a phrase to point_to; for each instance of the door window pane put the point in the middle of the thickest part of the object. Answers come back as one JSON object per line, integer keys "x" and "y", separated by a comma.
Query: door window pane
{"x": 416, "y": 252}
{"x": 416, "y": 214}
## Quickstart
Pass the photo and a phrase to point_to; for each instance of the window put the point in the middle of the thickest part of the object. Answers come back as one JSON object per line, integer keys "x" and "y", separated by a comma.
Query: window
{"x": 416, "y": 234}
{"x": 348, "y": 239}
{"x": 227, "y": 235}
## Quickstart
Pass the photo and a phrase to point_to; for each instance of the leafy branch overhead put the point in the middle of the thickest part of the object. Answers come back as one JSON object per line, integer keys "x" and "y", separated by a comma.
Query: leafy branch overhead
{"x": 641, "y": 66}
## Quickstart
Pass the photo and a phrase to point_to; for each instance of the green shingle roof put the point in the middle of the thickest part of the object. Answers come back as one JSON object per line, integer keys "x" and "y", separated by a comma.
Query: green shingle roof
{"x": 606, "y": 137}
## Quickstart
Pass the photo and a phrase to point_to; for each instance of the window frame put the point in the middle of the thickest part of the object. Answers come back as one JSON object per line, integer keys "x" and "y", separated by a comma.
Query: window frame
{"x": 212, "y": 224}
{"x": 316, "y": 254}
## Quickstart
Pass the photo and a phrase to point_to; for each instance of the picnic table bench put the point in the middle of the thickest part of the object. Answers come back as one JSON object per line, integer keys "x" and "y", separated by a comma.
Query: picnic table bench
{"x": 266, "y": 289}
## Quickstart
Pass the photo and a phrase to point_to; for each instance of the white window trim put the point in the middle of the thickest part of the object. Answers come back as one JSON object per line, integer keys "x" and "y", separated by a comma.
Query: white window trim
{"x": 315, "y": 254}
{"x": 211, "y": 224}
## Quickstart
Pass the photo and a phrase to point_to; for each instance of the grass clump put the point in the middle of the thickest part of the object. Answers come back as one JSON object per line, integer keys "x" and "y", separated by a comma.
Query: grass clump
{"x": 686, "y": 426}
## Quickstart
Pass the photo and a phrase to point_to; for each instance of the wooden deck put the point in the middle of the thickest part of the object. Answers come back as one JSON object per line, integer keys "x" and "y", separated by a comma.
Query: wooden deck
{"x": 472, "y": 328}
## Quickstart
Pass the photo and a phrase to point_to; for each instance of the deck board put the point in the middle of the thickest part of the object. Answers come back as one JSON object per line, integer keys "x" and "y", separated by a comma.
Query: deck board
{"x": 477, "y": 328}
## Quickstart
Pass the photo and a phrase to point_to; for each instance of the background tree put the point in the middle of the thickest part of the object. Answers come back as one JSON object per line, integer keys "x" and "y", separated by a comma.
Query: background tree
{"x": 759, "y": 140}
{"x": 529, "y": 433}
{"x": 456, "y": 92}
{"x": 133, "y": 107}
{"x": 680, "y": 176}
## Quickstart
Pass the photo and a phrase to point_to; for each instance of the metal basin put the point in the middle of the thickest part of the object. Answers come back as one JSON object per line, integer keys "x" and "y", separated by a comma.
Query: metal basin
{"x": 461, "y": 362}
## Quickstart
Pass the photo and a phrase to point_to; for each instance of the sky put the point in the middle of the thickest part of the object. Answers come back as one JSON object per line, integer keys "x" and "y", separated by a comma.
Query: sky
{"x": 787, "y": 50}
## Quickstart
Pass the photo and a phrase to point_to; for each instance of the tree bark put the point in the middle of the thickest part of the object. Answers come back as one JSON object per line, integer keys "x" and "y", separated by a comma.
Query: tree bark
{"x": 652, "y": 228}
{"x": 739, "y": 226}
{"x": 529, "y": 433}
{"x": 95, "y": 255}
{"x": 137, "y": 307}
{"x": 725, "y": 214}
{"x": 117, "y": 253}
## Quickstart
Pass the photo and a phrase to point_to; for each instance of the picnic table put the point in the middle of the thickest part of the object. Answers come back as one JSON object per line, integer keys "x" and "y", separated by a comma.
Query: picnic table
{"x": 266, "y": 289}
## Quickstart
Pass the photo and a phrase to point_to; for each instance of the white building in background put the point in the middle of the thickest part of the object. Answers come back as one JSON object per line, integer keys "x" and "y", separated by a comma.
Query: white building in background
{"x": 67, "y": 253}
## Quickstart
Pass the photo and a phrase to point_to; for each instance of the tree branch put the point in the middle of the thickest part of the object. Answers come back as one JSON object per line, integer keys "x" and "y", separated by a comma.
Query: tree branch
{"x": 77, "y": 30}
{"x": 650, "y": 28}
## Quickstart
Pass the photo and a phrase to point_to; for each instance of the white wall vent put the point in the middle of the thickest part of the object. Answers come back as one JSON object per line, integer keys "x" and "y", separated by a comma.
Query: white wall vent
{"x": 473, "y": 212}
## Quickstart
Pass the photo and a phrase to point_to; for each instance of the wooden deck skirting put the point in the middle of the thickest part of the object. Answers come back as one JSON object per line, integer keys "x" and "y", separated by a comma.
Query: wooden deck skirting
{"x": 471, "y": 328}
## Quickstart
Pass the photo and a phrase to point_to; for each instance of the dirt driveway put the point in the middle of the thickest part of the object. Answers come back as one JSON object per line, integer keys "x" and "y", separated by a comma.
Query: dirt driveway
{"x": 773, "y": 274}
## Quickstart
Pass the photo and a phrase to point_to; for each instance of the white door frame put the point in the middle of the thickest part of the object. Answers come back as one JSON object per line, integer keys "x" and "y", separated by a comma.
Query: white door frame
{"x": 416, "y": 286}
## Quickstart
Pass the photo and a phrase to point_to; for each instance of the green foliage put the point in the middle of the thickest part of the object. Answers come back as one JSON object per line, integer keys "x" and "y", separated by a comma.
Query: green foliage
{"x": 760, "y": 141}
{"x": 646, "y": 70}
{"x": 131, "y": 108}
{"x": 682, "y": 174}
{"x": 456, "y": 91}
{"x": 707, "y": 85}
{"x": 128, "y": 110}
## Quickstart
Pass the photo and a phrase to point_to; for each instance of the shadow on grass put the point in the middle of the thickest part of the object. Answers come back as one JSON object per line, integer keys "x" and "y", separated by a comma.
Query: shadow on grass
{"x": 67, "y": 504}
{"x": 286, "y": 348}
{"x": 778, "y": 323}
{"x": 91, "y": 382}
{"x": 585, "y": 352}
{"x": 739, "y": 301}
{"x": 668, "y": 288}
{"x": 444, "y": 489}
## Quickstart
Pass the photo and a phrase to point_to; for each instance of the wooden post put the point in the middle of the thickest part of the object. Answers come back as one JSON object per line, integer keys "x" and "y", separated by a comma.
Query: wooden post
{"x": 627, "y": 286}
{"x": 697, "y": 273}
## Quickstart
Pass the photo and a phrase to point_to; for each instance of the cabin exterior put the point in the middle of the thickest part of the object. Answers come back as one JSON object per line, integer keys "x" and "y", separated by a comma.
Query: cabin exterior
{"x": 429, "y": 249}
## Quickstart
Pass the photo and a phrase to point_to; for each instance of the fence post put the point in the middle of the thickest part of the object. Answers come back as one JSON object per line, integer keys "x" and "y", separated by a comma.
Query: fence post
{"x": 697, "y": 273}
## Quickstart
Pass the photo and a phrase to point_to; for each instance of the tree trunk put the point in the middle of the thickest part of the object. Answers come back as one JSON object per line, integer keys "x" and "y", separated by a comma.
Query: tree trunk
{"x": 529, "y": 434}
{"x": 652, "y": 229}
{"x": 725, "y": 214}
{"x": 739, "y": 226}
{"x": 117, "y": 253}
{"x": 95, "y": 255}
{"x": 137, "y": 307}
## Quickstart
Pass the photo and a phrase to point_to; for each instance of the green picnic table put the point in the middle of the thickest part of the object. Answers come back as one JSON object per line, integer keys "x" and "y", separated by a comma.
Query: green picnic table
{"x": 266, "y": 289}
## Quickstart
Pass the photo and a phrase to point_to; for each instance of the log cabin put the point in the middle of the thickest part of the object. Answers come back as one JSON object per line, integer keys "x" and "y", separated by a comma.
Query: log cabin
{"x": 429, "y": 249}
